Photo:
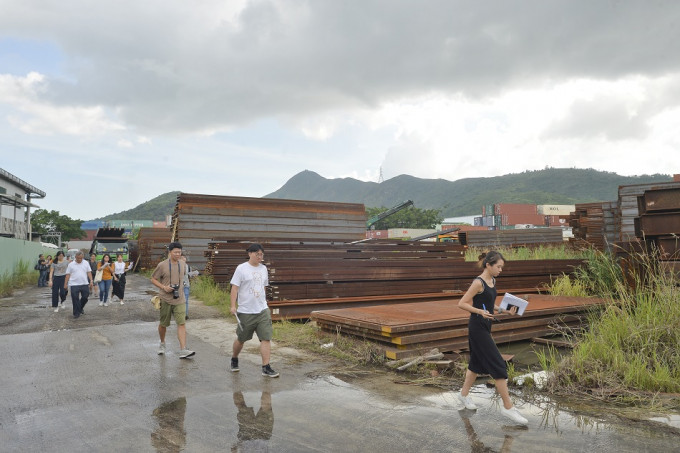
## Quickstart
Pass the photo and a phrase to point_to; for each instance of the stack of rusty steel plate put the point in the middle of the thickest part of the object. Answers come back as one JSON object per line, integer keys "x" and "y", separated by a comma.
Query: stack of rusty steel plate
{"x": 511, "y": 238}
{"x": 152, "y": 246}
{"x": 299, "y": 288}
{"x": 594, "y": 224}
{"x": 199, "y": 219}
{"x": 293, "y": 266}
{"x": 628, "y": 201}
{"x": 410, "y": 329}
{"x": 659, "y": 221}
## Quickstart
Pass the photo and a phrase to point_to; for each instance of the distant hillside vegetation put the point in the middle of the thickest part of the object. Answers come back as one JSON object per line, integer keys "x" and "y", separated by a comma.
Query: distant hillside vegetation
{"x": 155, "y": 209}
{"x": 466, "y": 196}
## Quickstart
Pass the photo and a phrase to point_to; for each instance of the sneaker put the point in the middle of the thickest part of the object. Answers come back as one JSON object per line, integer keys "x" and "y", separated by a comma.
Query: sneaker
{"x": 267, "y": 371}
{"x": 467, "y": 401}
{"x": 185, "y": 353}
{"x": 56, "y": 310}
{"x": 101, "y": 304}
{"x": 106, "y": 304}
{"x": 234, "y": 365}
{"x": 514, "y": 415}
{"x": 61, "y": 305}
{"x": 161, "y": 349}
{"x": 121, "y": 302}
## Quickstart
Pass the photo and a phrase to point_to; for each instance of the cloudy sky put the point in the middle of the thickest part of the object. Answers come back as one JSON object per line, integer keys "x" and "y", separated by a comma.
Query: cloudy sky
{"x": 105, "y": 105}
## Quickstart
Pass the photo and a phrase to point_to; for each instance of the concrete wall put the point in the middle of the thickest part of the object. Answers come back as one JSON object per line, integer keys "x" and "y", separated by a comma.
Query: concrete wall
{"x": 14, "y": 250}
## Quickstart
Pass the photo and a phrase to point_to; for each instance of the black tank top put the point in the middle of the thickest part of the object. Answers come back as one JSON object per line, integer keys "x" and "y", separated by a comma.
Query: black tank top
{"x": 487, "y": 298}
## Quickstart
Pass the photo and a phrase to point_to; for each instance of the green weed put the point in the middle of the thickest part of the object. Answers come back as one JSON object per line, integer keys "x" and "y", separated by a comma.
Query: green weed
{"x": 21, "y": 276}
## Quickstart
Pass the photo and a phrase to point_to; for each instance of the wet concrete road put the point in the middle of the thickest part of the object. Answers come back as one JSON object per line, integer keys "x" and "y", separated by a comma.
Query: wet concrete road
{"x": 97, "y": 384}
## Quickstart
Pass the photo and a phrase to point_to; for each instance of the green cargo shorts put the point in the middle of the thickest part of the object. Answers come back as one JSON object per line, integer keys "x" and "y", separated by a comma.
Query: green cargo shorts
{"x": 260, "y": 323}
{"x": 179, "y": 312}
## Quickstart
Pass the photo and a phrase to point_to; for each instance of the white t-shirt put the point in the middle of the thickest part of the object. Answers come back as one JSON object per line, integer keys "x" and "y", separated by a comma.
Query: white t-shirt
{"x": 251, "y": 282}
{"x": 78, "y": 272}
{"x": 118, "y": 268}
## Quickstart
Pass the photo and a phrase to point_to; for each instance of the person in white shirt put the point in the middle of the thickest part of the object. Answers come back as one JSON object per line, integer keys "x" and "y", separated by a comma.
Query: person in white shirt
{"x": 79, "y": 282}
{"x": 253, "y": 316}
{"x": 119, "y": 268}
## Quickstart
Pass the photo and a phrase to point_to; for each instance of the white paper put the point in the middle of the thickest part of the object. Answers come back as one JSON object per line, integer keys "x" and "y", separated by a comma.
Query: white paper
{"x": 509, "y": 299}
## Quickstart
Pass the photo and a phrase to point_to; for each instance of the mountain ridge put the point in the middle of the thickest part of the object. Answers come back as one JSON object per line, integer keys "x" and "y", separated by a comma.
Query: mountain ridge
{"x": 462, "y": 197}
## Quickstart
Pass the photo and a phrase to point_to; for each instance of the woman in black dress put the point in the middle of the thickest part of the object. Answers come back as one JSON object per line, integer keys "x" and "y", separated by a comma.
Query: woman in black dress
{"x": 484, "y": 355}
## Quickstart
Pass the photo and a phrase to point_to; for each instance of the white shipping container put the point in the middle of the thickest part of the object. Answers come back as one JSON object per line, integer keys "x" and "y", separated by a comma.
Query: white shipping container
{"x": 406, "y": 233}
{"x": 555, "y": 209}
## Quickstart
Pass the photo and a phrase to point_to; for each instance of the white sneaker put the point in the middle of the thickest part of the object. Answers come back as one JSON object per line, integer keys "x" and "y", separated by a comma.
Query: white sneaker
{"x": 61, "y": 305}
{"x": 161, "y": 349}
{"x": 56, "y": 310}
{"x": 467, "y": 401}
{"x": 514, "y": 415}
{"x": 106, "y": 304}
{"x": 185, "y": 353}
{"x": 121, "y": 302}
{"x": 101, "y": 304}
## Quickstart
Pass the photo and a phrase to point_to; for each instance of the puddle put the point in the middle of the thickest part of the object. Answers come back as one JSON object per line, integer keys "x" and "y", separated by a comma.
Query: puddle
{"x": 327, "y": 413}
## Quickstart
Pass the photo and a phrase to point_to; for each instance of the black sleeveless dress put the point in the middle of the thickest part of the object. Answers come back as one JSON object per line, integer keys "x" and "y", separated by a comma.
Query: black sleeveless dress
{"x": 485, "y": 358}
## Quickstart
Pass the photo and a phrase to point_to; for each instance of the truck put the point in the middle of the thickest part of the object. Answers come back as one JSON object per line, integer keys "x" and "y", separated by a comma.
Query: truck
{"x": 111, "y": 241}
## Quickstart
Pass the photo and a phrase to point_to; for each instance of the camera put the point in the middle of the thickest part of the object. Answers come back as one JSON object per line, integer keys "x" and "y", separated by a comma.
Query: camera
{"x": 175, "y": 291}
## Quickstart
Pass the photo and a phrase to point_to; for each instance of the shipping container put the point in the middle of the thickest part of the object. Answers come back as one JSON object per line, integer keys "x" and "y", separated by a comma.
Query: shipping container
{"x": 479, "y": 221}
{"x": 129, "y": 224}
{"x": 407, "y": 233}
{"x": 555, "y": 209}
{"x": 92, "y": 225}
{"x": 514, "y": 208}
{"x": 377, "y": 234}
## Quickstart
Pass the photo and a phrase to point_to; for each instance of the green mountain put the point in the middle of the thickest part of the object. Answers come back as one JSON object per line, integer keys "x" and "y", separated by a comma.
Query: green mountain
{"x": 454, "y": 198}
{"x": 466, "y": 196}
{"x": 155, "y": 209}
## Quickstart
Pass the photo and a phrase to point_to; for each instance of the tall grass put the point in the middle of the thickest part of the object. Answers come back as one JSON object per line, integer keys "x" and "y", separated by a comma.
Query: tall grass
{"x": 633, "y": 344}
{"x": 21, "y": 276}
{"x": 541, "y": 252}
{"x": 204, "y": 288}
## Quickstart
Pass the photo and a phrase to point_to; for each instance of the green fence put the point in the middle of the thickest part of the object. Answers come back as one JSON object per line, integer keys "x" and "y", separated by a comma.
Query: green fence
{"x": 14, "y": 250}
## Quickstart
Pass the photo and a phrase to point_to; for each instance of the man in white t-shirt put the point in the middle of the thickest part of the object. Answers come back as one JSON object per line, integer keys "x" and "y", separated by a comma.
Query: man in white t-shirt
{"x": 79, "y": 282}
{"x": 253, "y": 316}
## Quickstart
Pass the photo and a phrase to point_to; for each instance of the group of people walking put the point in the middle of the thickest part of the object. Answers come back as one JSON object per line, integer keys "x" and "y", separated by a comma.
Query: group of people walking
{"x": 249, "y": 306}
{"x": 106, "y": 276}
{"x": 109, "y": 275}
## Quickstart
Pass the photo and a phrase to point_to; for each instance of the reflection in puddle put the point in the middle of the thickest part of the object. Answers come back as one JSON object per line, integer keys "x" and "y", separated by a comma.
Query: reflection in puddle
{"x": 170, "y": 436}
{"x": 254, "y": 430}
{"x": 476, "y": 445}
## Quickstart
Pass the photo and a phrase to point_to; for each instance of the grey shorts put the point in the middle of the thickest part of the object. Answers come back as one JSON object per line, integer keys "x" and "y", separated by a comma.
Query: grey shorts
{"x": 260, "y": 323}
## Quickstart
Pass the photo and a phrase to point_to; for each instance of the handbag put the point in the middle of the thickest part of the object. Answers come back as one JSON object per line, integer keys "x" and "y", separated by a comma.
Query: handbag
{"x": 156, "y": 302}
{"x": 98, "y": 276}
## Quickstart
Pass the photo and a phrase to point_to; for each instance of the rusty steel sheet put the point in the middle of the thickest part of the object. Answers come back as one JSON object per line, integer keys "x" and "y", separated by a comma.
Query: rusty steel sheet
{"x": 669, "y": 247}
{"x": 628, "y": 196}
{"x": 594, "y": 224}
{"x": 444, "y": 313}
{"x": 152, "y": 246}
{"x": 659, "y": 200}
{"x": 198, "y": 219}
{"x": 406, "y": 329}
{"x": 659, "y": 224}
{"x": 510, "y": 238}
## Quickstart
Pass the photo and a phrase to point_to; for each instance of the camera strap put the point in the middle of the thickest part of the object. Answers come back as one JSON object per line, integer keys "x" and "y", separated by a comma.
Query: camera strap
{"x": 179, "y": 271}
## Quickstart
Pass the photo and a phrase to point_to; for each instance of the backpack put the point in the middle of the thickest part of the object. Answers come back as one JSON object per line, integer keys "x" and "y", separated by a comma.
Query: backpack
{"x": 37, "y": 266}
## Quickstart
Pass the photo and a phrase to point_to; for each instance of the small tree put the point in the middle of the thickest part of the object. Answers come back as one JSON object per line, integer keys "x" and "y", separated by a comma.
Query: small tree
{"x": 44, "y": 221}
{"x": 407, "y": 218}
